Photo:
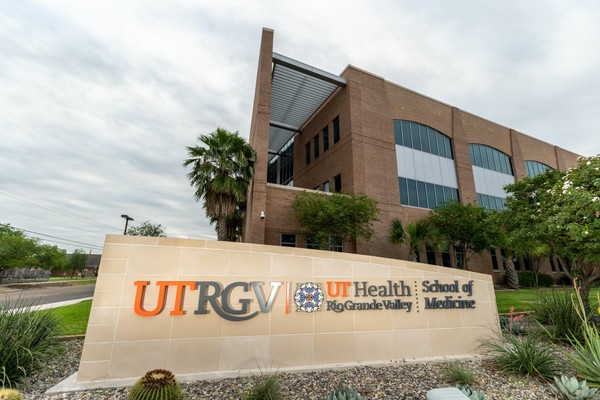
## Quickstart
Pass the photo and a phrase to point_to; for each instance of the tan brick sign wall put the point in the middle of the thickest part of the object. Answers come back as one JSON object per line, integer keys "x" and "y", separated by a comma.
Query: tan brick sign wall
{"x": 198, "y": 306}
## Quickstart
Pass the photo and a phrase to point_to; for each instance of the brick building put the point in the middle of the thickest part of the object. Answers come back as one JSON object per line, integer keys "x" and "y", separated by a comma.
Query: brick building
{"x": 360, "y": 134}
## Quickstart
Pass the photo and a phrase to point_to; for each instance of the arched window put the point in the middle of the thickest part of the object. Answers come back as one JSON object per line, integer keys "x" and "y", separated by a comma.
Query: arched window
{"x": 425, "y": 162}
{"x": 535, "y": 168}
{"x": 489, "y": 158}
{"x": 492, "y": 169}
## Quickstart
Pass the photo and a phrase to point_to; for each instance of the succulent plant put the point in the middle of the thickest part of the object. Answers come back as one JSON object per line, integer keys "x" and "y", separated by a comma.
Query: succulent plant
{"x": 507, "y": 324}
{"x": 472, "y": 393}
{"x": 570, "y": 388}
{"x": 344, "y": 394}
{"x": 158, "y": 384}
{"x": 10, "y": 394}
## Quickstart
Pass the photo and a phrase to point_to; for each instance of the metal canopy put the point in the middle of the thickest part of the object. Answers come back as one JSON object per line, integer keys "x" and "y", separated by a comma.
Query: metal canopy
{"x": 297, "y": 92}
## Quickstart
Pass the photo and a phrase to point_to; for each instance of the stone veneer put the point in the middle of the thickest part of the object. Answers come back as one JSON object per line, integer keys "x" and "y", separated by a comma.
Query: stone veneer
{"x": 120, "y": 344}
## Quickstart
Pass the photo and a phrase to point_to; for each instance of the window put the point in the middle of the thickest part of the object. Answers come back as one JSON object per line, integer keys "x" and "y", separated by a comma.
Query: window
{"x": 325, "y": 139}
{"x": 527, "y": 263}
{"x": 316, "y": 145}
{"x": 336, "y": 129}
{"x": 490, "y": 202}
{"x": 460, "y": 257}
{"x": 326, "y": 186}
{"x": 430, "y": 255}
{"x": 288, "y": 240}
{"x": 552, "y": 265}
{"x": 337, "y": 183}
{"x": 424, "y": 195}
{"x": 423, "y": 138}
{"x": 312, "y": 242}
{"x": 336, "y": 244}
{"x": 446, "y": 259}
{"x": 489, "y": 158}
{"x": 495, "y": 265}
{"x": 281, "y": 166}
{"x": 535, "y": 168}
{"x": 307, "y": 152}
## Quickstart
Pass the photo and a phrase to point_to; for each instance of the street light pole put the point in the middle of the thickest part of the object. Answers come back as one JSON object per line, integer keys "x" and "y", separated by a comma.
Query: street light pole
{"x": 127, "y": 219}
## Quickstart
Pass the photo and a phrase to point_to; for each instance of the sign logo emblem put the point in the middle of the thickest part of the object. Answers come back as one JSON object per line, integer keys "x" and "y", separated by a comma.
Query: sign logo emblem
{"x": 309, "y": 297}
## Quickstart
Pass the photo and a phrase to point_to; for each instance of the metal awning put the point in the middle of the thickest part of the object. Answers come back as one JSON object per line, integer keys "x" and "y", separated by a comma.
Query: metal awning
{"x": 297, "y": 92}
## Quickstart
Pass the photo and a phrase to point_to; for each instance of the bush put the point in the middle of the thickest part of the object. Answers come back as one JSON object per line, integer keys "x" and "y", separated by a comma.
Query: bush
{"x": 527, "y": 280}
{"x": 565, "y": 281}
{"x": 555, "y": 311}
{"x": 458, "y": 375}
{"x": 523, "y": 355}
{"x": 27, "y": 341}
{"x": 265, "y": 387}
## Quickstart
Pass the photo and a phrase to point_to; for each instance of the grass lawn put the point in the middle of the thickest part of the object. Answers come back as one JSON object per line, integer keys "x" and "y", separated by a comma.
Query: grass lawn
{"x": 74, "y": 318}
{"x": 522, "y": 299}
{"x": 74, "y": 281}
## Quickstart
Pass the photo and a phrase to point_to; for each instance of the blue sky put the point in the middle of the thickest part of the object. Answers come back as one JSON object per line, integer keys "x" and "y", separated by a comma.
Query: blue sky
{"x": 98, "y": 100}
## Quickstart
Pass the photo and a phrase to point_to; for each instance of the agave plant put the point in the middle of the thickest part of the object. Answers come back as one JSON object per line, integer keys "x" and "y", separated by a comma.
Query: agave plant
{"x": 344, "y": 394}
{"x": 569, "y": 388}
{"x": 471, "y": 393}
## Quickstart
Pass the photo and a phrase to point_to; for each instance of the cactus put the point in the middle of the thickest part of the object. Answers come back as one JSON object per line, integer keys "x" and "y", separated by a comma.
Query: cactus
{"x": 10, "y": 394}
{"x": 157, "y": 384}
{"x": 472, "y": 393}
{"x": 344, "y": 394}
{"x": 569, "y": 388}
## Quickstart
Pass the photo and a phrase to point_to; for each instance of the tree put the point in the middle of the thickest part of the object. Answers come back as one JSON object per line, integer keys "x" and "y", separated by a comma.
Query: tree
{"x": 464, "y": 226}
{"x": 16, "y": 250}
{"x": 335, "y": 216}
{"x": 147, "y": 229}
{"x": 418, "y": 235}
{"x": 76, "y": 261}
{"x": 221, "y": 172}
{"x": 562, "y": 209}
{"x": 50, "y": 257}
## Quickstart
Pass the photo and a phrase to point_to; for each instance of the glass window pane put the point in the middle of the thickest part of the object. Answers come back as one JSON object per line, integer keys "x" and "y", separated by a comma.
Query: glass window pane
{"x": 421, "y": 194}
{"x": 472, "y": 154}
{"x": 490, "y": 156}
{"x": 431, "y": 203}
{"x": 455, "y": 194}
{"x": 447, "y": 193}
{"x": 397, "y": 132}
{"x": 406, "y": 138}
{"x": 499, "y": 203}
{"x": 424, "y": 138}
{"x": 479, "y": 200}
{"x": 412, "y": 192}
{"x": 497, "y": 164}
{"x": 477, "y": 151}
{"x": 448, "y": 148}
{"x": 484, "y": 158}
{"x": 403, "y": 191}
{"x": 441, "y": 146}
{"x": 485, "y": 201}
{"x": 439, "y": 194}
{"x": 433, "y": 141}
{"x": 414, "y": 133}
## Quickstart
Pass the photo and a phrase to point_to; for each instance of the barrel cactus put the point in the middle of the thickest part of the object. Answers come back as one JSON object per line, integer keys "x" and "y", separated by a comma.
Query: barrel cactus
{"x": 158, "y": 384}
{"x": 344, "y": 394}
{"x": 569, "y": 388}
{"x": 10, "y": 394}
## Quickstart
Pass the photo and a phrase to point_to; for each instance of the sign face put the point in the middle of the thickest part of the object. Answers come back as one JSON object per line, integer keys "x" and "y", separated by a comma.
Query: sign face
{"x": 309, "y": 297}
{"x": 204, "y": 307}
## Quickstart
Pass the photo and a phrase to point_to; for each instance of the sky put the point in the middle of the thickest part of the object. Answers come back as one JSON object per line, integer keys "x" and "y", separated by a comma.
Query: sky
{"x": 98, "y": 100}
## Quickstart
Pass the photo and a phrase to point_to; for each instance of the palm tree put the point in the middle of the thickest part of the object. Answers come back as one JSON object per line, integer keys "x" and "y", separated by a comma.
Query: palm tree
{"x": 416, "y": 236}
{"x": 221, "y": 171}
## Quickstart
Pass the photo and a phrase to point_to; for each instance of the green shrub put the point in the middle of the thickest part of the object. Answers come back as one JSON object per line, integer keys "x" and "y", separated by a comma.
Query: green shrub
{"x": 265, "y": 387}
{"x": 555, "y": 311}
{"x": 27, "y": 341}
{"x": 527, "y": 280}
{"x": 458, "y": 375}
{"x": 10, "y": 394}
{"x": 523, "y": 355}
{"x": 472, "y": 393}
{"x": 571, "y": 389}
{"x": 512, "y": 325}
{"x": 344, "y": 394}
{"x": 158, "y": 384}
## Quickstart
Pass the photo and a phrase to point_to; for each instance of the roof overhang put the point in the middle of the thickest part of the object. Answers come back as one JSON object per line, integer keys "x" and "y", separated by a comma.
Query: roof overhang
{"x": 298, "y": 90}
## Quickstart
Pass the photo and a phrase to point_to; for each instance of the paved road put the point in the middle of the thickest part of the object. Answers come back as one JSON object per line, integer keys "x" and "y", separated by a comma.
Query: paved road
{"x": 46, "y": 295}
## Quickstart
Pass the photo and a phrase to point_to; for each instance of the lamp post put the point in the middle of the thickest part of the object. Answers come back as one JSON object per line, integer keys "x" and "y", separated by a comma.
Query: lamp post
{"x": 127, "y": 219}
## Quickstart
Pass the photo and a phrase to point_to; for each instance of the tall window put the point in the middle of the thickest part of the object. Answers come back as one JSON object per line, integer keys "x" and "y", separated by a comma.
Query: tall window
{"x": 535, "y": 168}
{"x": 460, "y": 257}
{"x": 337, "y": 183}
{"x": 492, "y": 170}
{"x": 430, "y": 251}
{"x": 336, "y": 129}
{"x": 281, "y": 166}
{"x": 489, "y": 158}
{"x": 446, "y": 260}
{"x": 326, "y": 186}
{"x": 316, "y": 145}
{"x": 495, "y": 265}
{"x": 424, "y": 159}
{"x": 307, "y": 152}
{"x": 325, "y": 139}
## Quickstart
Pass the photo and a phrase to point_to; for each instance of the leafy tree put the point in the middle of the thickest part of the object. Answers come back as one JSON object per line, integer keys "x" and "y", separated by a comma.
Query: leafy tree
{"x": 335, "y": 215}
{"x": 50, "y": 257}
{"x": 418, "y": 235}
{"x": 76, "y": 261}
{"x": 464, "y": 226}
{"x": 562, "y": 209}
{"x": 234, "y": 223}
{"x": 16, "y": 250}
{"x": 221, "y": 171}
{"x": 147, "y": 229}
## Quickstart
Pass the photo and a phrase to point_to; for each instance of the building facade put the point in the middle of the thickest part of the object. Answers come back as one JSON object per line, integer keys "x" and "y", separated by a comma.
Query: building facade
{"x": 357, "y": 133}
